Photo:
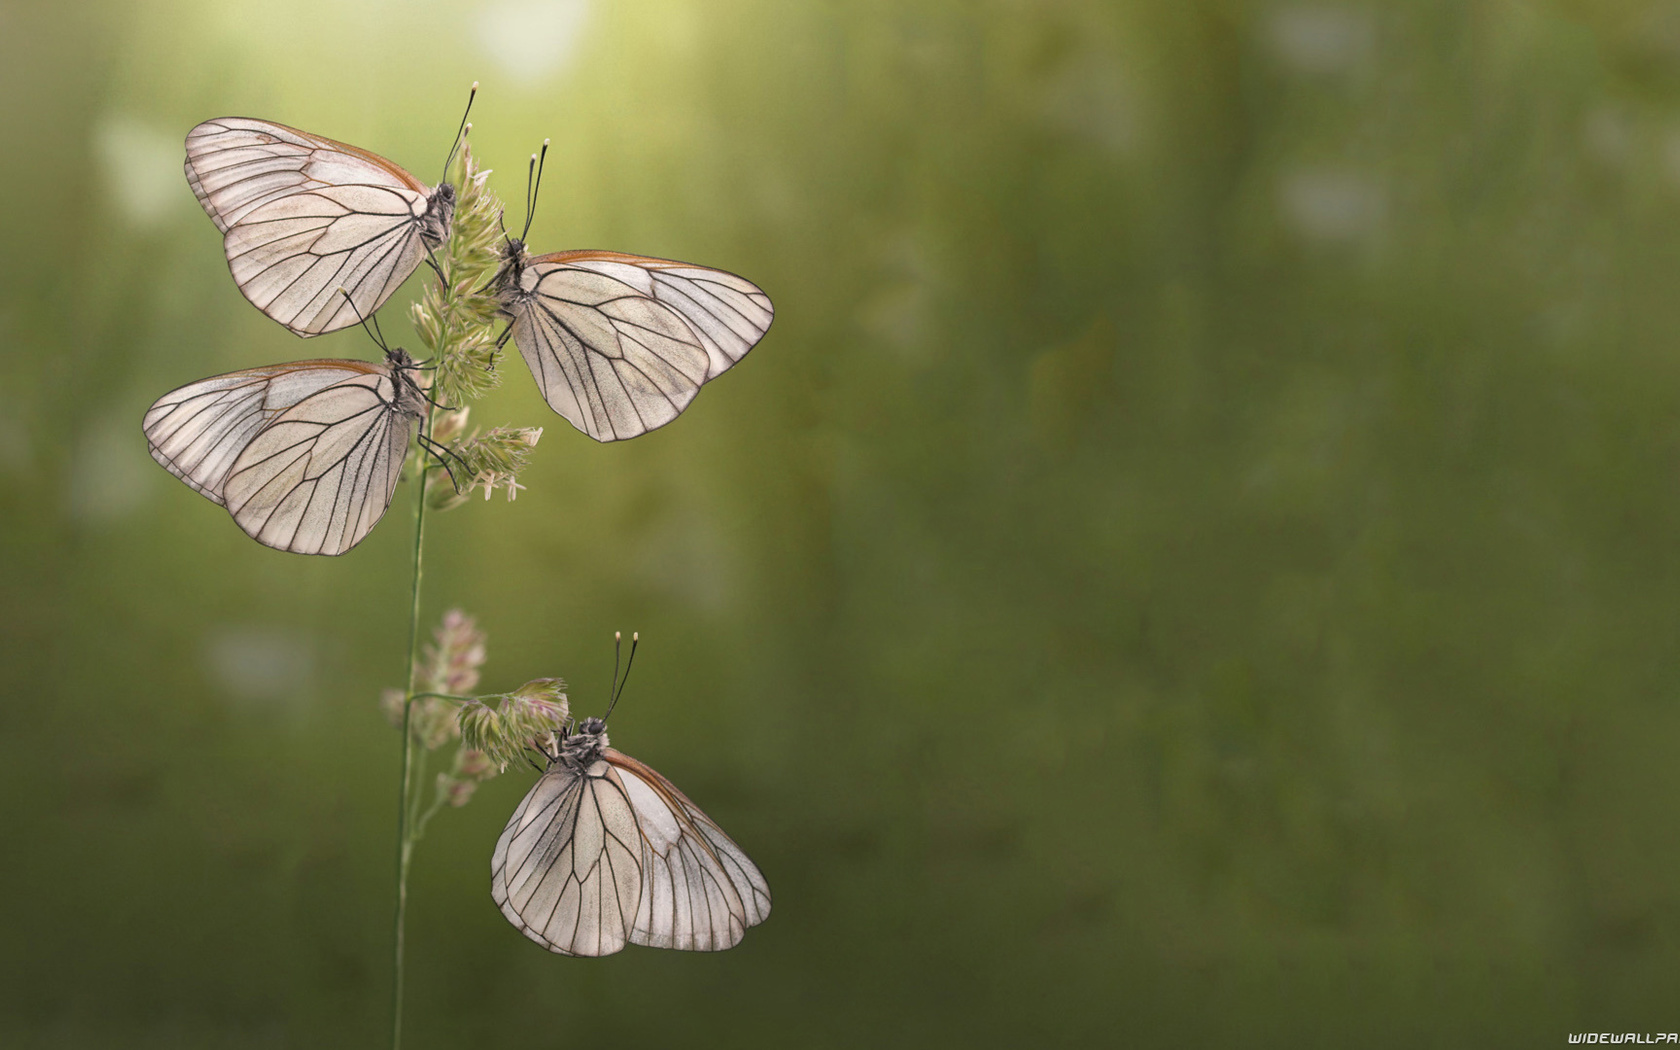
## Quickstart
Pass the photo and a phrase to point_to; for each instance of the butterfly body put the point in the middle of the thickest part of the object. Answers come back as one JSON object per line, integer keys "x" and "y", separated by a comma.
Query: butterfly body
{"x": 620, "y": 344}
{"x": 604, "y": 851}
{"x": 304, "y": 456}
{"x": 303, "y": 215}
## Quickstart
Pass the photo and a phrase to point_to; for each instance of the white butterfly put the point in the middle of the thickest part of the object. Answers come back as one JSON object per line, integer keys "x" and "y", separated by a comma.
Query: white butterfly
{"x": 604, "y": 851}
{"x": 303, "y": 216}
{"x": 305, "y": 456}
{"x": 620, "y": 344}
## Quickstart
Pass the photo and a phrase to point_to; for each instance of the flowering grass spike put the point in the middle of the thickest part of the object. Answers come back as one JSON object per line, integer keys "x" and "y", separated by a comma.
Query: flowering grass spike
{"x": 455, "y": 316}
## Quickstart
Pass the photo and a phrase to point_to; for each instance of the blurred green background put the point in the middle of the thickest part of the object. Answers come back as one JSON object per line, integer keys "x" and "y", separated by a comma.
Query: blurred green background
{"x": 1195, "y": 562}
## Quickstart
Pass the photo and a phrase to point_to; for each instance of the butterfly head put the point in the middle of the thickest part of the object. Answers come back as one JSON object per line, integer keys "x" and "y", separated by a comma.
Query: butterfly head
{"x": 506, "y": 282}
{"x": 440, "y": 211}
{"x": 584, "y": 744}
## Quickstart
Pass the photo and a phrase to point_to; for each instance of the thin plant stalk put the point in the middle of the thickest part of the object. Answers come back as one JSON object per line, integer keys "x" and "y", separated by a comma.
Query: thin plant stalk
{"x": 405, "y": 845}
{"x": 453, "y": 319}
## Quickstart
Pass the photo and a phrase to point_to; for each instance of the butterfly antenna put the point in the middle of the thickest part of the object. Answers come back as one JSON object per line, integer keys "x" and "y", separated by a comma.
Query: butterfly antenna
{"x": 373, "y": 333}
{"x": 542, "y": 161}
{"x": 460, "y": 133}
{"x": 533, "y": 186}
{"x": 530, "y": 177}
{"x": 618, "y": 683}
{"x": 380, "y": 332}
{"x": 618, "y": 645}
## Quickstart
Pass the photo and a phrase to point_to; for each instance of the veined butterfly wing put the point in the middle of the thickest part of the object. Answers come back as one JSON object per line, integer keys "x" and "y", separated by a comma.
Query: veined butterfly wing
{"x": 197, "y": 432}
{"x": 303, "y": 215}
{"x": 305, "y": 456}
{"x": 605, "y": 851}
{"x": 700, "y": 891}
{"x": 620, "y": 344}
{"x": 567, "y": 870}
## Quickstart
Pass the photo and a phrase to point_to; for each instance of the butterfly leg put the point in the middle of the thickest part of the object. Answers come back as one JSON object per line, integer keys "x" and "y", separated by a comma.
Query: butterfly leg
{"x": 431, "y": 260}
{"x": 438, "y": 404}
{"x": 442, "y": 452}
{"x": 501, "y": 341}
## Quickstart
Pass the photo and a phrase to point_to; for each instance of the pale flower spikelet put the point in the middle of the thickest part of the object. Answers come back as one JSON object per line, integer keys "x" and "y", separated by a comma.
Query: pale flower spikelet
{"x": 489, "y": 461}
{"x": 519, "y": 719}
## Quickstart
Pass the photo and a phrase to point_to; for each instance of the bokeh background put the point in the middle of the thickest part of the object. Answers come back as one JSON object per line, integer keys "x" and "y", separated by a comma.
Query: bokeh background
{"x": 1195, "y": 562}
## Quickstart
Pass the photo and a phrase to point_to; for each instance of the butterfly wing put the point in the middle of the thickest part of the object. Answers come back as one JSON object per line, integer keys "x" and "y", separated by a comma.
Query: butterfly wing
{"x": 566, "y": 870}
{"x": 303, "y": 216}
{"x": 700, "y": 891}
{"x": 198, "y": 431}
{"x": 319, "y": 475}
{"x": 620, "y": 344}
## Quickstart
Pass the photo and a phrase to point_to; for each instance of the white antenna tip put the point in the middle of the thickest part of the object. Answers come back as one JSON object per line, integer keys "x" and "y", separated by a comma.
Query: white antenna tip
{"x": 635, "y": 636}
{"x": 618, "y": 636}
{"x": 545, "y": 143}
{"x": 475, "y": 87}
